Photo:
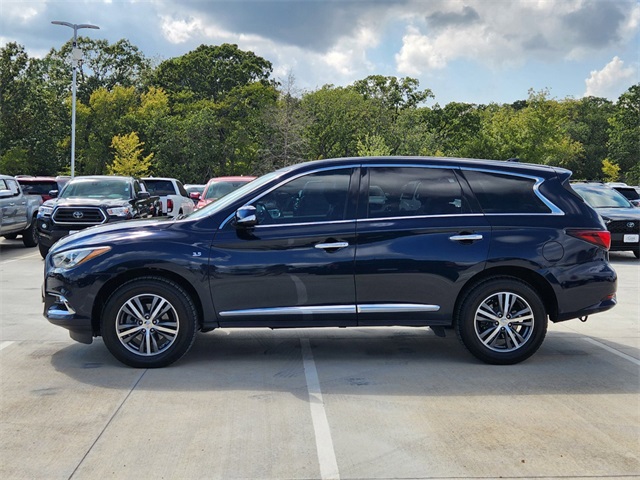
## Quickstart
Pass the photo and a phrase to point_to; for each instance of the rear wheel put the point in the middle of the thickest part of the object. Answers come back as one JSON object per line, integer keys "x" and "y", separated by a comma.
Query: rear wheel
{"x": 149, "y": 322}
{"x": 502, "y": 321}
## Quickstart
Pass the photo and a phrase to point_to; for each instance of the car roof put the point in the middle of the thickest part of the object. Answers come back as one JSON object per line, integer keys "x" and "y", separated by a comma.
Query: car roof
{"x": 511, "y": 166}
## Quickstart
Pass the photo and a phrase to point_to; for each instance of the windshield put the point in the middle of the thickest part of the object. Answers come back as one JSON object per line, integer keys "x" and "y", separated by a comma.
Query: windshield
{"x": 232, "y": 197}
{"x": 602, "y": 197}
{"x": 114, "y": 188}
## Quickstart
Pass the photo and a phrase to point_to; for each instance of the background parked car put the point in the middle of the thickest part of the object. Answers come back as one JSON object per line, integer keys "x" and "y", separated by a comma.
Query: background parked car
{"x": 194, "y": 191}
{"x": 218, "y": 187}
{"x": 631, "y": 193}
{"x": 18, "y": 212}
{"x": 42, "y": 185}
{"x": 173, "y": 196}
{"x": 92, "y": 200}
{"x": 620, "y": 216}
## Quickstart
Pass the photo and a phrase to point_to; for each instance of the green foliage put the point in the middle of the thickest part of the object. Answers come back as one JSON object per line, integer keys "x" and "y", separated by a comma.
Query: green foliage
{"x": 624, "y": 134}
{"x": 210, "y": 72}
{"x": 15, "y": 162}
{"x": 128, "y": 159}
{"x": 610, "y": 170}
{"x": 372, "y": 146}
{"x": 217, "y": 111}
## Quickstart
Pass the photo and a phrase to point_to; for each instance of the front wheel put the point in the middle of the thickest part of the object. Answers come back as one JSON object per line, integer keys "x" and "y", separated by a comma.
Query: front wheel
{"x": 149, "y": 322}
{"x": 501, "y": 321}
{"x": 30, "y": 235}
{"x": 11, "y": 236}
{"x": 43, "y": 250}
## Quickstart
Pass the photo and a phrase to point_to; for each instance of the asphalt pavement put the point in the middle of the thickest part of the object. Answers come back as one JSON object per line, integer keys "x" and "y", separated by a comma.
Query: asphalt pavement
{"x": 361, "y": 403}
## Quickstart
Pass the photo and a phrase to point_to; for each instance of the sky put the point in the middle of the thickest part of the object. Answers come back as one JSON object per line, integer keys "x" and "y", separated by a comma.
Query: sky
{"x": 474, "y": 51}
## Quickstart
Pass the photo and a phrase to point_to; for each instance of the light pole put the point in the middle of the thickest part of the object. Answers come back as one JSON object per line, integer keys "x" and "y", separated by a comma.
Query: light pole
{"x": 76, "y": 56}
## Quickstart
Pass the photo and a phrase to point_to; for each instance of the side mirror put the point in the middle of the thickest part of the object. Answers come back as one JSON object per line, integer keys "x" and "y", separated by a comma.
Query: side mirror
{"x": 53, "y": 193}
{"x": 246, "y": 216}
{"x": 195, "y": 195}
{"x": 143, "y": 195}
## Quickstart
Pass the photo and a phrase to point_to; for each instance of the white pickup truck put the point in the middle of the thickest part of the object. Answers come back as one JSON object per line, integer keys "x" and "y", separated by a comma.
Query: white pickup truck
{"x": 175, "y": 199}
{"x": 18, "y": 212}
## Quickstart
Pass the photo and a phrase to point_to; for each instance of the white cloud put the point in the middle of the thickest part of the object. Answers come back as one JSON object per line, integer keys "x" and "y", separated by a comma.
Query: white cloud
{"x": 180, "y": 31}
{"x": 611, "y": 81}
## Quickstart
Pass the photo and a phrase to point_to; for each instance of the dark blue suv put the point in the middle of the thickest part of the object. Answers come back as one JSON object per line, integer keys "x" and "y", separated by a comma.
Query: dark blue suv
{"x": 491, "y": 248}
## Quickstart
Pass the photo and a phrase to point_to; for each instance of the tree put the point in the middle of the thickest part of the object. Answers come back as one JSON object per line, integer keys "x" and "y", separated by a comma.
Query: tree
{"x": 624, "y": 135}
{"x": 610, "y": 170}
{"x": 535, "y": 134}
{"x": 285, "y": 122}
{"x": 103, "y": 65}
{"x": 372, "y": 146}
{"x": 128, "y": 159}
{"x": 394, "y": 94}
{"x": 340, "y": 116}
{"x": 587, "y": 123}
{"x": 210, "y": 72}
{"x": 32, "y": 119}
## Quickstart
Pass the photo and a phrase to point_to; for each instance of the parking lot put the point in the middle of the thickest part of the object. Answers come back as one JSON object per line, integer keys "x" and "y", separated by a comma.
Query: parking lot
{"x": 379, "y": 403}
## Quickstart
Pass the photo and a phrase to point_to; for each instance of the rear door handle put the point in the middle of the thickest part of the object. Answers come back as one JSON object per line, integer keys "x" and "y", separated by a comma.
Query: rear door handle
{"x": 332, "y": 245}
{"x": 472, "y": 237}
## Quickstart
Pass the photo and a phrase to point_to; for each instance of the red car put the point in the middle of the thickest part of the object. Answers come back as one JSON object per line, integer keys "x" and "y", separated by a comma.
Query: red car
{"x": 218, "y": 187}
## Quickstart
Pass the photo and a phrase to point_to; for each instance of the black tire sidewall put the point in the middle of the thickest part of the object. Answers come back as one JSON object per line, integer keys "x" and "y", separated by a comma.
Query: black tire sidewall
{"x": 465, "y": 321}
{"x": 30, "y": 235}
{"x": 174, "y": 294}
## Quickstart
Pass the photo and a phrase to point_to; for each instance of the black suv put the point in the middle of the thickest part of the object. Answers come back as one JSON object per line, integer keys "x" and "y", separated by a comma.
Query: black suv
{"x": 620, "y": 216}
{"x": 87, "y": 201}
{"x": 491, "y": 248}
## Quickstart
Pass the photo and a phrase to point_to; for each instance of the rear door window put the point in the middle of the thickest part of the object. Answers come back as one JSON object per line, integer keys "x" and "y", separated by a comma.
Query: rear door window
{"x": 413, "y": 191}
{"x": 501, "y": 193}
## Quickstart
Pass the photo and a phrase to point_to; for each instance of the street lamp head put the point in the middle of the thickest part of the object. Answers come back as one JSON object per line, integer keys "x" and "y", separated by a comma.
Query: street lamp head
{"x": 76, "y": 26}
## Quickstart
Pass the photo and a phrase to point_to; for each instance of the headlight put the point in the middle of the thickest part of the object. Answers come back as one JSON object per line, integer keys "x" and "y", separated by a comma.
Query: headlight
{"x": 45, "y": 210}
{"x": 73, "y": 258}
{"x": 119, "y": 211}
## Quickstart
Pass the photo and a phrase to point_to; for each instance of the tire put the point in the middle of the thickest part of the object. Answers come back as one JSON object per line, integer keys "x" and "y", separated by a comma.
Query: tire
{"x": 30, "y": 235}
{"x": 11, "y": 236}
{"x": 637, "y": 253}
{"x": 140, "y": 338}
{"x": 43, "y": 249}
{"x": 495, "y": 336}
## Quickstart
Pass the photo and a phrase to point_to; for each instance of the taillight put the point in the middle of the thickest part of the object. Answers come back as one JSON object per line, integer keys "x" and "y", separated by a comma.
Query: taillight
{"x": 601, "y": 238}
{"x": 169, "y": 205}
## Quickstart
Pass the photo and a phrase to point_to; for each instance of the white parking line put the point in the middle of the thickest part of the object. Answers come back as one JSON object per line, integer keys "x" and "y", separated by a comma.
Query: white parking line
{"x": 614, "y": 351}
{"x": 324, "y": 443}
{"x": 4, "y": 262}
{"x": 4, "y": 345}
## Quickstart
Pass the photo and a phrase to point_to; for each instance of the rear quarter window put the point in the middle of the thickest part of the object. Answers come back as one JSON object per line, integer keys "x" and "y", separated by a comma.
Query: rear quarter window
{"x": 501, "y": 193}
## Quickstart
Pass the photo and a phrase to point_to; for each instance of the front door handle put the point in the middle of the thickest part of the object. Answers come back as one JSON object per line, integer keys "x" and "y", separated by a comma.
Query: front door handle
{"x": 472, "y": 237}
{"x": 332, "y": 245}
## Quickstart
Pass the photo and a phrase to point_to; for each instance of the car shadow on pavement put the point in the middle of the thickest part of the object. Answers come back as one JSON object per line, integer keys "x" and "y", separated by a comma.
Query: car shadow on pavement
{"x": 374, "y": 361}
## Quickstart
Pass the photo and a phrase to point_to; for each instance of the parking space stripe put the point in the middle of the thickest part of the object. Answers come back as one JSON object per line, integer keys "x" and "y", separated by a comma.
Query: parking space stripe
{"x": 324, "y": 443}
{"x": 614, "y": 351}
{"x": 4, "y": 345}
